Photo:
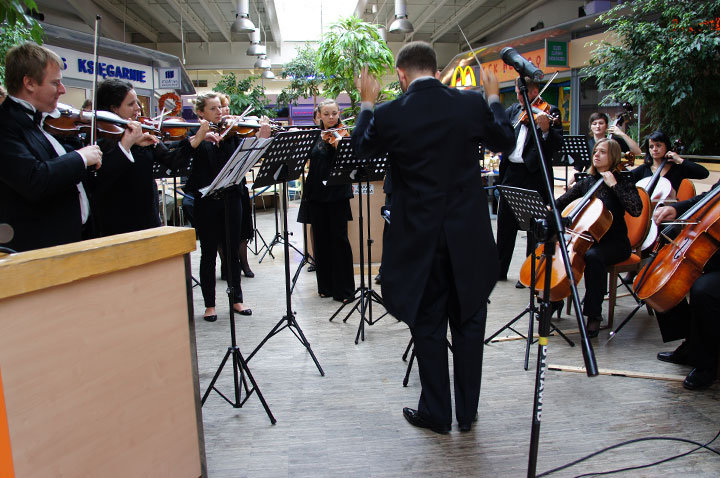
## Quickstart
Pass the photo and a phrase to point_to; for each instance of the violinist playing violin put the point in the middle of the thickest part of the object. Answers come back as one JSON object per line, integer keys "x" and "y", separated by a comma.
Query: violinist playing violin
{"x": 702, "y": 333}
{"x": 675, "y": 169}
{"x": 41, "y": 191}
{"x": 617, "y": 195}
{"x": 328, "y": 208}
{"x": 124, "y": 193}
{"x": 520, "y": 167}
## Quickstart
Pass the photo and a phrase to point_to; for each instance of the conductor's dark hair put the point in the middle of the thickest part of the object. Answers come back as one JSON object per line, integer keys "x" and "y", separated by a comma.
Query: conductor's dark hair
{"x": 659, "y": 137}
{"x": 111, "y": 93}
{"x": 416, "y": 57}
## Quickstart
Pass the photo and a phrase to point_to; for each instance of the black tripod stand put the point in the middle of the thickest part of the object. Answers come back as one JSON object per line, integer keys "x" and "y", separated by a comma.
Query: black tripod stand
{"x": 223, "y": 184}
{"x": 306, "y": 258}
{"x": 283, "y": 162}
{"x": 349, "y": 169}
{"x": 279, "y": 238}
{"x": 256, "y": 233}
{"x": 527, "y": 206}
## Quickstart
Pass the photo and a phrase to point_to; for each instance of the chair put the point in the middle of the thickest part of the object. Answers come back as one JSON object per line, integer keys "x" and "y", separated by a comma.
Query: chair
{"x": 686, "y": 190}
{"x": 638, "y": 228}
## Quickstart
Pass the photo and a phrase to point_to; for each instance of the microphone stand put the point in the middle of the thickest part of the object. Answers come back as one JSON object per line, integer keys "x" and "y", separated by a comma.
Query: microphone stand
{"x": 551, "y": 231}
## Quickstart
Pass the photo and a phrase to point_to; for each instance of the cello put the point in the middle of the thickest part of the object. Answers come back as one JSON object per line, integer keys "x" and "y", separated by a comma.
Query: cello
{"x": 589, "y": 221}
{"x": 668, "y": 277}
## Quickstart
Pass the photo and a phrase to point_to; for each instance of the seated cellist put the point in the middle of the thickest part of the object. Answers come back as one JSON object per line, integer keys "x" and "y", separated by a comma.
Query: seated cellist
{"x": 617, "y": 195}
{"x": 702, "y": 330}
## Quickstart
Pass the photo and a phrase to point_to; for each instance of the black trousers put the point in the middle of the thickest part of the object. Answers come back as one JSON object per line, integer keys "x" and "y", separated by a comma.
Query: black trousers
{"x": 597, "y": 259}
{"x": 704, "y": 320}
{"x": 210, "y": 225}
{"x": 332, "y": 251}
{"x": 440, "y": 306}
{"x": 507, "y": 229}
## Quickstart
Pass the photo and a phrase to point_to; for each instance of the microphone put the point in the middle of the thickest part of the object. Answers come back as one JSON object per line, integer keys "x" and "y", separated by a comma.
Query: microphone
{"x": 511, "y": 57}
{"x": 6, "y": 233}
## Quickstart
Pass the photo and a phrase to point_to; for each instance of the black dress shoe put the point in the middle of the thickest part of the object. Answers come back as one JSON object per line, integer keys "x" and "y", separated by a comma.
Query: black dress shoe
{"x": 519, "y": 285}
{"x": 680, "y": 355}
{"x": 248, "y": 273}
{"x": 378, "y": 279}
{"x": 417, "y": 420}
{"x": 244, "y": 311}
{"x": 312, "y": 268}
{"x": 556, "y": 306}
{"x": 210, "y": 318}
{"x": 466, "y": 427}
{"x": 698, "y": 379}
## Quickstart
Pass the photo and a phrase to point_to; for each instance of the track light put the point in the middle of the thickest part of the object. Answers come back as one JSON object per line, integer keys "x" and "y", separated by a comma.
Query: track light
{"x": 263, "y": 62}
{"x": 256, "y": 48}
{"x": 268, "y": 74}
{"x": 242, "y": 23}
{"x": 401, "y": 24}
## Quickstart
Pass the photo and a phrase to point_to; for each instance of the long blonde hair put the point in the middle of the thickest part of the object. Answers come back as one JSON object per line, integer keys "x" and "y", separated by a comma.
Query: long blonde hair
{"x": 614, "y": 152}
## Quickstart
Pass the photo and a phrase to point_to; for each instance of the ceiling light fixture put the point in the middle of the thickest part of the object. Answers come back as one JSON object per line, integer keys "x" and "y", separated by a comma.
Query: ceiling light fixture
{"x": 401, "y": 24}
{"x": 242, "y": 23}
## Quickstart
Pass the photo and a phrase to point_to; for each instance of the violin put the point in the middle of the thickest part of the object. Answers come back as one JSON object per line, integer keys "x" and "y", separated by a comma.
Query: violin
{"x": 73, "y": 121}
{"x": 667, "y": 278}
{"x": 625, "y": 116}
{"x": 589, "y": 221}
{"x": 333, "y": 136}
{"x": 539, "y": 106}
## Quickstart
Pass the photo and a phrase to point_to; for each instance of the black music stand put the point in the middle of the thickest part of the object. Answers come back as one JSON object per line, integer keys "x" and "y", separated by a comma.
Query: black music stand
{"x": 279, "y": 237}
{"x": 230, "y": 176}
{"x": 283, "y": 162}
{"x": 350, "y": 169}
{"x": 256, "y": 232}
{"x": 574, "y": 147}
{"x": 527, "y": 206}
{"x": 307, "y": 258}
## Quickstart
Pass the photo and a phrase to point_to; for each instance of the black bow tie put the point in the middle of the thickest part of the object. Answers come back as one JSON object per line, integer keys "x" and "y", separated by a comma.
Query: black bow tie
{"x": 37, "y": 116}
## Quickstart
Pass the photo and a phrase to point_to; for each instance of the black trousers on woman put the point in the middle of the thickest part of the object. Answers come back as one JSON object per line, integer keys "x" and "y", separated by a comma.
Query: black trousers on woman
{"x": 210, "y": 224}
{"x": 597, "y": 260}
{"x": 333, "y": 254}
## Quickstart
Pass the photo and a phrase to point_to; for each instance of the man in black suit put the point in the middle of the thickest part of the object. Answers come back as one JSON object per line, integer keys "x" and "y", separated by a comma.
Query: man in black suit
{"x": 520, "y": 167}
{"x": 41, "y": 195}
{"x": 439, "y": 258}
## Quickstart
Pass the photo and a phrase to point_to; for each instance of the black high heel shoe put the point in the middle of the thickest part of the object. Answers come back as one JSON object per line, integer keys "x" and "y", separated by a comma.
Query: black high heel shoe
{"x": 593, "y": 326}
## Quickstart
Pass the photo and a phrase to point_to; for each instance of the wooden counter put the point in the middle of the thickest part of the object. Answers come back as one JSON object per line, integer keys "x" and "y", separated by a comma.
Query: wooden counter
{"x": 97, "y": 351}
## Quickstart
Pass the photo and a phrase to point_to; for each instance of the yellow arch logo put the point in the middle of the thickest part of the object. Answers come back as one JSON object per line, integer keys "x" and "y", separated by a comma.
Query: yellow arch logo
{"x": 463, "y": 77}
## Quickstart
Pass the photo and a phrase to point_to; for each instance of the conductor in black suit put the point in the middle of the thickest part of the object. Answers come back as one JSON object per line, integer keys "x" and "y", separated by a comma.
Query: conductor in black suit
{"x": 439, "y": 257}
{"x": 520, "y": 167}
{"x": 41, "y": 195}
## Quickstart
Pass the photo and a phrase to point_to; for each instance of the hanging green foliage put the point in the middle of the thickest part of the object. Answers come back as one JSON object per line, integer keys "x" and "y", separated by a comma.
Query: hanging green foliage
{"x": 16, "y": 27}
{"x": 243, "y": 93}
{"x": 305, "y": 81}
{"x": 667, "y": 59}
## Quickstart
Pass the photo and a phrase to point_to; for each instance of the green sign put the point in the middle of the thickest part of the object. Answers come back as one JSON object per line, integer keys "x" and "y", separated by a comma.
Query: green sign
{"x": 556, "y": 53}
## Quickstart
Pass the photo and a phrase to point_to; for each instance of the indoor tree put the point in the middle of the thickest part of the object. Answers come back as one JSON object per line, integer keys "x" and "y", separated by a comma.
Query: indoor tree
{"x": 305, "y": 79}
{"x": 344, "y": 49}
{"x": 16, "y": 27}
{"x": 666, "y": 58}
{"x": 243, "y": 93}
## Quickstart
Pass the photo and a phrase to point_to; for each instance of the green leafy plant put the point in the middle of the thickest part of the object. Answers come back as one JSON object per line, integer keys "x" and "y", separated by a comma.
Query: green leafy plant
{"x": 305, "y": 80}
{"x": 666, "y": 59}
{"x": 344, "y": 49}
{"x": 17, "y": 27}
{"x": 243, "y": 93}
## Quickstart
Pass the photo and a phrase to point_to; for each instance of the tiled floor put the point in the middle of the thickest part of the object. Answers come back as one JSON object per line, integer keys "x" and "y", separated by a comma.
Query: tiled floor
{"x": 349, "y": 423}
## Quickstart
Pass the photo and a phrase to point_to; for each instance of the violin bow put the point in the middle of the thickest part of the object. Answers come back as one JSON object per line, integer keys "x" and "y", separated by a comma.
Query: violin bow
{"x": 93, "y": 126}
{"x": 470, "y": 46}
{"x": 539, "y": 96}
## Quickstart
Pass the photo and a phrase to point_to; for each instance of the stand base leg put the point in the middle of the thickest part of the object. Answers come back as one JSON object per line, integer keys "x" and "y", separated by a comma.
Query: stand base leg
{"x": 289, "y": 322}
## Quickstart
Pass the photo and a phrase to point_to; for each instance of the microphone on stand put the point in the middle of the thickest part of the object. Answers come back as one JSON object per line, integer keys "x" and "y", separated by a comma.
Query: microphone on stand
{"x": 511, "y": 57}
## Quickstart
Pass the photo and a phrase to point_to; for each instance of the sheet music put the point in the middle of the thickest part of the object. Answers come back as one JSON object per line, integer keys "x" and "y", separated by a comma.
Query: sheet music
{"x": 249, "y": 151}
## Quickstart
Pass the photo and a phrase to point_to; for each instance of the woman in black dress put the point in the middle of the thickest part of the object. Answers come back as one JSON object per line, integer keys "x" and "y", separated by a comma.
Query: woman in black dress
{"x": 124, "y": 195}
{"x": 618, "y": 195}
{"x": 208, "y": 159}
{"x": 676, "y": 169}
{"x": 328, "y": 208}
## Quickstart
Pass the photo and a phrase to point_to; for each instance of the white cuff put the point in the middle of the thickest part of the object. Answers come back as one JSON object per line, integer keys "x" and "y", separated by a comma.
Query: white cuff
{"x": 493, "y": 99}
{"x": 367, "y": 105}
{"x": 79, "y": 151}
{"x": 127, "y": 153}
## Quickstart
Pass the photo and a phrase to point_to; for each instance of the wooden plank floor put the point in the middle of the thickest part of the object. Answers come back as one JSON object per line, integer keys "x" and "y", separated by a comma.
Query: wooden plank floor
{"x": 350, "y": 423}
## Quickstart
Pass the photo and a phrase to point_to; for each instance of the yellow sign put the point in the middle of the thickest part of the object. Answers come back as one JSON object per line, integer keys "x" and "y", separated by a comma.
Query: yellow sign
{"x": 463, "y": 77}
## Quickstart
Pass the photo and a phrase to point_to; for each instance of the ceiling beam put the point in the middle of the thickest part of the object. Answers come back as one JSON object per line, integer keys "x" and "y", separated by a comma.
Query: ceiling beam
{"x": 216, "y": 16}
{"x": 271, "y": 13}
{"x": 131, "y": 19}
{"x": 191, "y": 17}
{"x": 81, "y": 10}
{"x": 453, "y": 21}
{"x": 503, "y": 18}
{"x": 159, "y": 15}
{"x": 427, "y": 15}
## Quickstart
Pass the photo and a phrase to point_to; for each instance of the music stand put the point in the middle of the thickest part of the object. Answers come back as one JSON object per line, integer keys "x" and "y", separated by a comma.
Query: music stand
{"x": 350, "y": 169}
{"x": 229, "y": 176}
{"x": 527, "y": 206}
{"x": 256, "y": 232}
{"x": 307, "y": 258}
{"x": 283, "y": 162}
{"x": 574, "y": 146}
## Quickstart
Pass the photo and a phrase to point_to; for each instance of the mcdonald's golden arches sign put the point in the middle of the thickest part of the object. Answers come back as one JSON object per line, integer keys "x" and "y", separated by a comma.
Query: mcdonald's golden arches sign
{"x": 463, "y": 77}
